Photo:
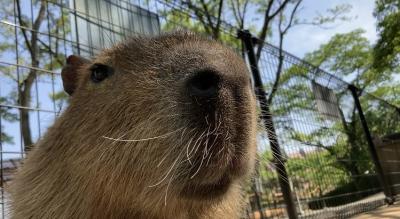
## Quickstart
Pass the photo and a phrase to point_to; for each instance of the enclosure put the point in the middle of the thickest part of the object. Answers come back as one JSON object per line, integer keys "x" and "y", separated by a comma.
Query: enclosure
{"x": 330, "y": 149}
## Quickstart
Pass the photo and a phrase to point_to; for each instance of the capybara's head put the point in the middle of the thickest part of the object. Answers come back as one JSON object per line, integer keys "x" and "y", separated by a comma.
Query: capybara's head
{"x": 170, "y": 117}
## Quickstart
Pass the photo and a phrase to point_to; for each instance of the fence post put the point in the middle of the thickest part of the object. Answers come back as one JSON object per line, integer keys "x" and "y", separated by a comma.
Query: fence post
{"x": 371, "y": 146}
{"x": 266, "y": 116}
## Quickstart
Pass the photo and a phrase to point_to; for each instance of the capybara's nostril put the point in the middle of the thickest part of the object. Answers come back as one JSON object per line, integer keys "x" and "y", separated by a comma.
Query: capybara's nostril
{"x": 204, "y": 84}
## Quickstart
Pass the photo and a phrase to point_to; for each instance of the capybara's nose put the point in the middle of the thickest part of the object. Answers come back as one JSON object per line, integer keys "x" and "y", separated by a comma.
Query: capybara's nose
{"x": 204, "y": 85}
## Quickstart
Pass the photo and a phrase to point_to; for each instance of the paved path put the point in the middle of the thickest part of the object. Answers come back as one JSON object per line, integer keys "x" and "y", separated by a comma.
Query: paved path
{"x": 385, "y": 212}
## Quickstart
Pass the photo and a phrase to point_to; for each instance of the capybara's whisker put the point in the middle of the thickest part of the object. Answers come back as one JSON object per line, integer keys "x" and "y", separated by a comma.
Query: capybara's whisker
{"x": 198, "y": 169}
{"x": 142, "y": 139}
{"x": 168, "y": 172}
{"x": 187, "y": 151}
{"x": 198, "y": 142}
{"x": 209, "y": 157}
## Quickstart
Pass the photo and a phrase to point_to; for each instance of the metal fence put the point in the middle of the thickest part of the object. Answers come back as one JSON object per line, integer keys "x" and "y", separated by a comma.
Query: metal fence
{"x": 319, "y": 162}
{"x": 324, "y": 136}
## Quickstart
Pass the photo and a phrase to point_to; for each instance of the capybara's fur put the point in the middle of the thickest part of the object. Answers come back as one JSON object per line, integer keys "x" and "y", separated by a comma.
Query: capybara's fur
{"x": 137, "y": 145}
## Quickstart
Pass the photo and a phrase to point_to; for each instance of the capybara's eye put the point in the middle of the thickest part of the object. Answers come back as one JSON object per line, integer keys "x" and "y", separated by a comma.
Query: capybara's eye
{"x": 100, "y": 72}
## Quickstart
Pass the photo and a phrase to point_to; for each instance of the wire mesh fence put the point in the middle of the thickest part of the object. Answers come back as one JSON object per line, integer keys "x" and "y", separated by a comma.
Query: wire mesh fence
{"x": 383, "y": 121}
{"x": 322, "y": 140}
{"x": 323, "y": 144}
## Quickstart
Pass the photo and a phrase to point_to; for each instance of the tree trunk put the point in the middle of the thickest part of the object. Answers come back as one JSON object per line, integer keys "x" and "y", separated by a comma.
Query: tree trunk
{"x": 25, "y": 97}
{"x": 25, "y": 87}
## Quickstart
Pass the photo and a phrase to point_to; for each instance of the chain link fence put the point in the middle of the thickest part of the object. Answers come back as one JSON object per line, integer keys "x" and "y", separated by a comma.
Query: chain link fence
{"x": 323, "y": 146}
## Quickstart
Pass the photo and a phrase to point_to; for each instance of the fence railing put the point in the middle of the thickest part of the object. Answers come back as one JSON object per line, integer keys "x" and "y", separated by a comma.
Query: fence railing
{"x": 315, "y": 162}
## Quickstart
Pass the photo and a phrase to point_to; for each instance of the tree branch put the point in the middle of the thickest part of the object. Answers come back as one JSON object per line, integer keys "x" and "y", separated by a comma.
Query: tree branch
{"x": 280, "y": 8}
{"x": 292, "y": 17}
{"x": 221, "y": 4}
{"x": 243, "y": 15}
{"x": 55, "y": 54}
{"x": 207, "y": 13}
{"x": 34, "y": 35}
{"x": 267, "y": 20}
{"x": 282, "y": 33}
{"x": 199, "y": 15}
{"x": 23, "y": 24}
{"x": 236, "y": 12}
{"x": 278, "y": 71}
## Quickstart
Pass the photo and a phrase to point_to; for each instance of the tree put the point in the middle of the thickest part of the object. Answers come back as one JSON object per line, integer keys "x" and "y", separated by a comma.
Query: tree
{"x": 209, "y": 16}
{"x": 32, "y": 48}
{"x": 347, "y": 55}
{"x": 339, "y": 145}
{"x": 387, "y": 48}
{"x": 209, "y": 13}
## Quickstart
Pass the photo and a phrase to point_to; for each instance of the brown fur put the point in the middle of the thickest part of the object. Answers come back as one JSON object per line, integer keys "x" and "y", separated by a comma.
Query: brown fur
{"x": 75, "y": 172}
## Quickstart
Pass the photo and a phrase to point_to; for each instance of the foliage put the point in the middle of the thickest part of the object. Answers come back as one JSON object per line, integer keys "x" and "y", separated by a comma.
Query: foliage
{"x": 387, "y": 48}
{"x": 315, "y": 171}
{"x": 5, "y": 115}
{"x": 349, "y": 55}
{"x": 210, "y": 17}
{"x": 183, "y": 19}
{"x": 344, "y": 193}
{"x": 337, "y": 157}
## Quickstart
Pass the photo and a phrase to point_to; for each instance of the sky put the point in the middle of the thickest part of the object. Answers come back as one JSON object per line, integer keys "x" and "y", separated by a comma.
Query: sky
{"x": 307, "y": 38}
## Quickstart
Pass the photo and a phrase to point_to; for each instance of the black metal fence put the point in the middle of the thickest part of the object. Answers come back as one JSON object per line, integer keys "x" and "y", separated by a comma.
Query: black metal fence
{"x": 319, "y": 162}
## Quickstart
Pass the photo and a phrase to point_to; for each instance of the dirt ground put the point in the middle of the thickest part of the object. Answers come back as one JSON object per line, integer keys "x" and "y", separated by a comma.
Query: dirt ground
{"x": 386, "y": 212}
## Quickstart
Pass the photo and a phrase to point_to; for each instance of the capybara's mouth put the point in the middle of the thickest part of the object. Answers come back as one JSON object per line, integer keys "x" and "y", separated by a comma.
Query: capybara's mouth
{"x": 200, "y": 190}
{"x": 213, "y": 169}
{"x": 215, "y": 179}
{"x": 212, "y": 151}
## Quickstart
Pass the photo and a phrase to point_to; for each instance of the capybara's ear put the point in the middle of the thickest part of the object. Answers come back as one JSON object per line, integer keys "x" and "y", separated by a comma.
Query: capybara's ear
{"x": 70, "y": 72}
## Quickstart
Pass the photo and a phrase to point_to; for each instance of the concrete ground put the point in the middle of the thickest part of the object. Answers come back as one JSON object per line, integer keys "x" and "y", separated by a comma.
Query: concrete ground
{"x": 385, "y": 212}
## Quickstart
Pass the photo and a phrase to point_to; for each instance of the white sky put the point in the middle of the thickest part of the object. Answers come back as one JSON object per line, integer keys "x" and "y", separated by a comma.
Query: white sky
{"x": 307, "y": 38}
